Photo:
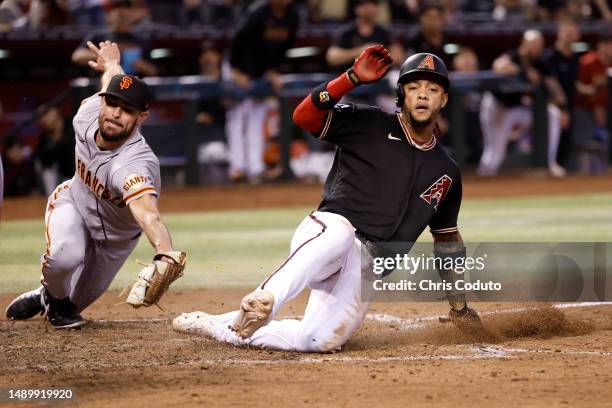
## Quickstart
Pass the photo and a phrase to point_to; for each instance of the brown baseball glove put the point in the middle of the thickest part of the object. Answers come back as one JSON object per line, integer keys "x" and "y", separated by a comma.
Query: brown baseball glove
{"x": 155, "y": 278}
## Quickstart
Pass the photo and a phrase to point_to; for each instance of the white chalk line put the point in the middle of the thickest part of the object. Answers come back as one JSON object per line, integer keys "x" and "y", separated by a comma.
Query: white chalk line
{"x": 501, "y": 351}
{"x": 280, "y": 361}
{"x": 479, "y": 353}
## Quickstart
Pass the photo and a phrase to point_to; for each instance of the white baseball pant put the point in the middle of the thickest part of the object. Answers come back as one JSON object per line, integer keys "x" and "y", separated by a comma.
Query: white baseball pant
{"x": 326, "y": 256}
{"x": 245, "y": 136}
{"x": 497, "y": 123}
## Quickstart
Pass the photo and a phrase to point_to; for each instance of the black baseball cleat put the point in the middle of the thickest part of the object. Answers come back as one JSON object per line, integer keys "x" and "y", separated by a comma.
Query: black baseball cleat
{"x": 462, "y": 318}
{"x": 467, "y": 313}
{"x": 62, "y": 313}
{"x": 26, "y": 305}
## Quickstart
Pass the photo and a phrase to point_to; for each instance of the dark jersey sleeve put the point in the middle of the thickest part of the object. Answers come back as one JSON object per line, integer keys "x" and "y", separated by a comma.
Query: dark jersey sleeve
{"x": 543, "y": 67}
{"x": 346, "y": 123}
{"x": 444, "y": 219}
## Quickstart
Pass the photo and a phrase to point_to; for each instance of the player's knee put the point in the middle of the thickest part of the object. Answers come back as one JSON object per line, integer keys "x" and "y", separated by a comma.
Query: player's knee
{"x": 62, "y": 261}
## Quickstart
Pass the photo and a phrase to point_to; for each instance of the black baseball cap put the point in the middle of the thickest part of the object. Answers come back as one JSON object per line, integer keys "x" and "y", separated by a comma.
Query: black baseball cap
{"x": 130, "y": 89}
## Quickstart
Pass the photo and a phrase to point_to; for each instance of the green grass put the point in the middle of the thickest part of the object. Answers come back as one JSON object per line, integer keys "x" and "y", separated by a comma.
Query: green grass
{"x": 239, "y": 248}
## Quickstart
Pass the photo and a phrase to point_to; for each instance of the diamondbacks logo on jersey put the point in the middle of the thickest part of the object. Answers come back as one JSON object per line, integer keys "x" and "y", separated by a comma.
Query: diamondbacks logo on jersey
{"x": 125, "y": 83}
{"x": 427, "y": 63}
{"x": 438, "y": 190}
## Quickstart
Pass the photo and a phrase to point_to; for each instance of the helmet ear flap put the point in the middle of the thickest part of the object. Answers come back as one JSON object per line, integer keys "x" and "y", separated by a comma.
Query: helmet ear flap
{"x": 399, "y": 95}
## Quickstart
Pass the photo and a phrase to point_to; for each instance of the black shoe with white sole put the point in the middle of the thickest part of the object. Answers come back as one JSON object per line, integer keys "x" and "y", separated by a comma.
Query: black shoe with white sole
{"x": 62, "y": 313}
{"x": 465, "y": 315}
{"x": 26, "y": 305}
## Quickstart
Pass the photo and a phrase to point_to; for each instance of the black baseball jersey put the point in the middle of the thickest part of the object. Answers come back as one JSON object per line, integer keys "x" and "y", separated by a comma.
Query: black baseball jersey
{"x": 262, "y": 39}
{"x": 389, "y": 187}
{"x": 565, "y": 69}
{"x": 349, "y": 37}
{"x": 511, "y": 99}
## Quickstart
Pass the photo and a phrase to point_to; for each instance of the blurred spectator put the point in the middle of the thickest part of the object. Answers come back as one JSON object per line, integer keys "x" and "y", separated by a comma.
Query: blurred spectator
{"x": 257, "y": 51}
{"x": 353, "y": 38}
{"x": 194, "y": 13}
{"x": 87, "y": 12}
{"x": 211, "y": 112}
{"x": 383, "y": 16}
{"x": 13, "y": 14}
{"x": 55, "y": 150}
{"x": 20, "y": 178}
{"x": 563, "y": 63}
{"x": 121, "y": 21}
{"x": 603, "y": 9}
{"x": 452, "y": 12}
{"x": 322, "y": 11}
{"x": 47, "y": 13}
{"x": 466, "y": 62}
{"x": 510, "y": 10}
{"x": 550, "y": 9}
{"x": 404, "y": 11}
{"x": 430, "y": 36}
{"x": 477, "y": 6}
{"x": 592, "y": 88}
{"x": 503, "y": 114}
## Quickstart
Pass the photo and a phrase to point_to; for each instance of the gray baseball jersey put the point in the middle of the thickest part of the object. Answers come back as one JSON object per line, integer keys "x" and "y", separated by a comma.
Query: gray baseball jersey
{"x": 106, "y": 181}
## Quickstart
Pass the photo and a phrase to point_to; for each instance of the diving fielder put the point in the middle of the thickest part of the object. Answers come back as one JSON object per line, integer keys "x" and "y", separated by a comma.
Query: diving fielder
{"x": 390, "y": 180}
{"x": 93, "y": 221}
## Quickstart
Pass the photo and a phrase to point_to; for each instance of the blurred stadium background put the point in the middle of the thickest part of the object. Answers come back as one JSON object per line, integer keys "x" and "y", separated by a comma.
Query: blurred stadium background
{"x": 227, "y": 74}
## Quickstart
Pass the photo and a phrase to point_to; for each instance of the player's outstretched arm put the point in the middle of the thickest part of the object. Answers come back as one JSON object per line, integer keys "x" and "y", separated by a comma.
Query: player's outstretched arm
{"x": 370, "y": 66}
{"x": 167, "y": 266}
{"x": 108, "y": 58}
{"x": 147, "y": 215}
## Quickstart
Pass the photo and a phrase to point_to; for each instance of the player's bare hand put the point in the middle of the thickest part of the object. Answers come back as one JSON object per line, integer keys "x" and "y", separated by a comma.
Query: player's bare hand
{"x": 106, "y": 53}
{"x": 372, "y": 64}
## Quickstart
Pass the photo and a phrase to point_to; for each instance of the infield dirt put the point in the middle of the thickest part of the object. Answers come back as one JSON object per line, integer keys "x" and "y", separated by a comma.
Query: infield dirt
{"x": 538, "y": 357}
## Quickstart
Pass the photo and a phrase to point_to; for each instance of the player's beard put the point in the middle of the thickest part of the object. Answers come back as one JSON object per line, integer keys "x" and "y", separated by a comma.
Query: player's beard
{"x": 420, "y": 125}
{"x": 117, "y": 137}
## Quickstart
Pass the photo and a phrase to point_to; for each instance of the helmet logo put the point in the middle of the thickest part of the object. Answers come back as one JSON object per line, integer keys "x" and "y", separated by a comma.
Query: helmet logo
{"x": 125, "y": 83}
{"x": 427, "y": 63}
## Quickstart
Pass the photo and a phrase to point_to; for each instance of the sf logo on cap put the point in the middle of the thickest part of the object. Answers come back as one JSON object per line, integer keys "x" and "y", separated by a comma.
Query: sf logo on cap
{"x": 427, "y": 63}
{"x": 125, "y": 83}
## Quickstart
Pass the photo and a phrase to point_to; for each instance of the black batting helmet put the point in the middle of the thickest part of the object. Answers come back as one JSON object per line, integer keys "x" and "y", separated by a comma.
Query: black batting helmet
{"x": 423, "y": 65}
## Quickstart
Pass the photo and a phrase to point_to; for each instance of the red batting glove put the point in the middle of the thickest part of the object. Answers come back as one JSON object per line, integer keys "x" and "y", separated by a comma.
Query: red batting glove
{"x": 371, "y": 65}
